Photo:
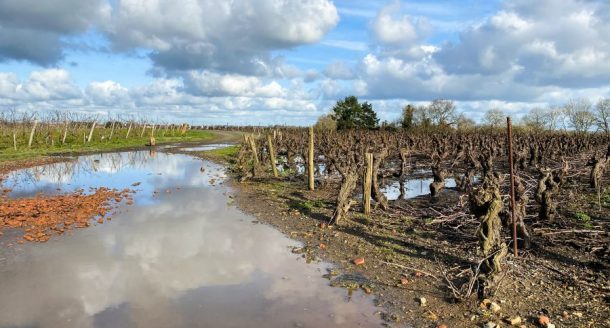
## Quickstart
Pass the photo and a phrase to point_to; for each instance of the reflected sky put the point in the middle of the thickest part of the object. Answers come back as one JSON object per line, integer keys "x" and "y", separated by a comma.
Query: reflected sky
{"x": 179, "y": 259}
{"x": 205, "y": 147}
{"x": 413, "y": 188}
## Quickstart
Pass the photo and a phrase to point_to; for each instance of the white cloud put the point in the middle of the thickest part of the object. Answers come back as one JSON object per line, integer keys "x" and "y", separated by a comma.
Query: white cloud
{"x": 107, "y": 93}
{"x": 397, "y": 31}
{"x": 233, "y": 36}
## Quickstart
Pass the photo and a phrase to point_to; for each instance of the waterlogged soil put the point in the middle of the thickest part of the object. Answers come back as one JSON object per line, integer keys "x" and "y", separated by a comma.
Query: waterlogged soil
{"x": 402, "y": 259}
{"x": 180, "y": 254}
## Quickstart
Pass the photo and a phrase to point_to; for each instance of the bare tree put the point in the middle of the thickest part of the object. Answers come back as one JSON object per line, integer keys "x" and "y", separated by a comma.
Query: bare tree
{"x": 579, "y": 115}
{"x": 442, "y": 112}
{"x": 536, "y": 119}
{"x": 602, "y": 115}
{"x": 494, "y": 118}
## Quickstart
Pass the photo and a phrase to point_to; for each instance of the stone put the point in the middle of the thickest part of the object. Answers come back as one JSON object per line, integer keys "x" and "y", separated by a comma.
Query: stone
{"x": 543, "y": 320}
{"x": 494, "y": 307}
{"x": 359, "y": 261}
{"x": 490, "y": 324}
{"x": 485, "y": 304}
{"x": 515, "y": 321}
{"x": 442, "y": 325}
{"x": 422, "y": 301}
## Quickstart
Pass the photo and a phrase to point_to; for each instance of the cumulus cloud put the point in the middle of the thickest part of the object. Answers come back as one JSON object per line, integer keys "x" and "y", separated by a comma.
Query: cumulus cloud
{"x": 107, "y": 93}
{"x": 46, "y": 85}
{"x": 234, "y": 36}
{"x": 214, "y": 85}
{"x": 548, "y": 43}
{"x": 393, "y": 31}
{"x": 32, "y": 30}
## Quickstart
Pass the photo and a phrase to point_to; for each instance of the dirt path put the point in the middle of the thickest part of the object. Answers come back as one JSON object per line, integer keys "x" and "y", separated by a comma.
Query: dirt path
{"x": 400, "y": 260}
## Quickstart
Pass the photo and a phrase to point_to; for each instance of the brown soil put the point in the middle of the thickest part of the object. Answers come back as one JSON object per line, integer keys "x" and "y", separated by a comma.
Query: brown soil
{"x": 406, "y": 257}
{"x": 41, "y": 217}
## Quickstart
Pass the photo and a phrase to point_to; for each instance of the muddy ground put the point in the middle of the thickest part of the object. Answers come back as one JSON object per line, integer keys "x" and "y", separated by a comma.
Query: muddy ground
{"x": 403, "y": 258}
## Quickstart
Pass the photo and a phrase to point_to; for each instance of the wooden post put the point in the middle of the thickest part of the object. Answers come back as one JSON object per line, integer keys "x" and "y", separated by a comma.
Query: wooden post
{"x": 32, "y": 134}
{"x": 91, "y": 132}
{"x": 310, "y": 160}
{"x": 143, "y": 129}
{"x": 368, "y": 180}
{"x": 15, "y": 141}
{"x": 509, "y": 127}
{"x": 253, "y": 148}
{"x": 272, "y": 155}
{"x": 63, "y": 139}
{"x": 128, "y": 130}
{"x": 111, "y": 131}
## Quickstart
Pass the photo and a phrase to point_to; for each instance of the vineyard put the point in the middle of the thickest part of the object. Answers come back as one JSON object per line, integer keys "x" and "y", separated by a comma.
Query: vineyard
{"x": 25, "y": 136}
{"x": 438, "y": 205}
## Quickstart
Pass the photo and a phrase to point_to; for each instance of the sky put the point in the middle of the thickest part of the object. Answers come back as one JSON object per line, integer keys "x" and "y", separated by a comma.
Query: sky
{"x": 288, "y": 61}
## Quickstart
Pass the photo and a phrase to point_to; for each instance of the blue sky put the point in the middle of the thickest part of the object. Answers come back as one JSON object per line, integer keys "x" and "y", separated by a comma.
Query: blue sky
{"x": 287, "y": 62}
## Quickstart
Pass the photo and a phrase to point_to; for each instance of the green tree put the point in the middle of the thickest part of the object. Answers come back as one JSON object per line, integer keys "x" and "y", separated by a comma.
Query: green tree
{"x": 350, "y": 114}
{"x": 407, "y": 121}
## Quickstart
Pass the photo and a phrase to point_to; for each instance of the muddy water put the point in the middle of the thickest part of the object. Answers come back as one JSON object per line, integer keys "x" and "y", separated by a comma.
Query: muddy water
{"x": 181, "y": 256}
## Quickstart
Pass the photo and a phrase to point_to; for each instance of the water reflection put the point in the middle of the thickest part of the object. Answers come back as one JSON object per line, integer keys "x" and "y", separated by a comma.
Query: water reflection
{"x": 179, "y": 259}
{"x": 151, "y": 171}
{"x": 205, "y": 147}
{"x": 413, "y": 188}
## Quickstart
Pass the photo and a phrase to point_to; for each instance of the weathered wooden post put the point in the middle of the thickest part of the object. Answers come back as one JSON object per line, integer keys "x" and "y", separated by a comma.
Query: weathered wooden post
{"x": 272, "y": 155}
{"x": 111, "y": 131}
{"x": 253, "y": 148}
{"x": 128, "y": 130}
{"x": 32, "y": 134}
{"x": 143, "y": 129}
{"x": 310, "y": 160}
{"x": 15, "y": 141}
{"x": 368, "y": 179}
{"x": 91, "y": 132}
{"x": 63, "y": 139}
{"x": 509, "y": 127}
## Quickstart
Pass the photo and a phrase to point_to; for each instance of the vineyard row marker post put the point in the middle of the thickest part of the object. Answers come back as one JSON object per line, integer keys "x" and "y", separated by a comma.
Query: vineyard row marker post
{"x": 509, "y": 126}
{"x": 368, "y": 178}
{"x": 310, "y": 160}
{"x": 272, "y": 155}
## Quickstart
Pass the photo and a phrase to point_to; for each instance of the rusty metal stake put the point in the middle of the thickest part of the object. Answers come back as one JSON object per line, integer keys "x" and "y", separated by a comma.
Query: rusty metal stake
{"x": 509, "y": 126}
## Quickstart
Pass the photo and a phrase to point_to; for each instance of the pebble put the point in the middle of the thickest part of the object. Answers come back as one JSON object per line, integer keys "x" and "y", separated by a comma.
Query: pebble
{"x": 543, "y": 320}
{"x": 490, "y": 324}
{"x": 515, "y": 321}
{"x": 423, "y": 301}
{"x": 494, "y": 307}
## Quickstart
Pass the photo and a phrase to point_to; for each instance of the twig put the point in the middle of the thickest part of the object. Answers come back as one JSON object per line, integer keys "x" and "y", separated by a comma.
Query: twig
{"x": 412, "y": 269}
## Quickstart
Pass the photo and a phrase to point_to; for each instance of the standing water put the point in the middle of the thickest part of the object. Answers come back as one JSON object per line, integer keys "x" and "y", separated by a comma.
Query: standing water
{"x": 181, "y": 256}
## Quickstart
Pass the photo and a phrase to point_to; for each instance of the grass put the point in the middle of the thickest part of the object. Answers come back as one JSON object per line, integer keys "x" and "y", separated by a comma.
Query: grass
{"x": 305, "y": 206}
{"x": 584, "y": 218}
{"x": 226, "y": 154}
{"x": 40, "y": 148}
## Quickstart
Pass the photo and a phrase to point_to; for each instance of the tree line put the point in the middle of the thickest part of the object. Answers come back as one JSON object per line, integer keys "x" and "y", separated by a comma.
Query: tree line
{"x": 579, "y": 115}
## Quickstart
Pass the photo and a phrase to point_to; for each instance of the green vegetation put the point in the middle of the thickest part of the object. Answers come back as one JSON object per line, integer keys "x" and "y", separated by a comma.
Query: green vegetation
{"x": 584, "y": 218}
{"x": 350, "y": 114}
{"x": 50, "y": 142}
{"x": 305, "y": 206}
{"x": 226, "y": 154}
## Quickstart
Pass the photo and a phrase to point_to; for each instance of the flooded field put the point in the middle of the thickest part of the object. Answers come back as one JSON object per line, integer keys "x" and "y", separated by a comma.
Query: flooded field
{"x": 180, "y": 256}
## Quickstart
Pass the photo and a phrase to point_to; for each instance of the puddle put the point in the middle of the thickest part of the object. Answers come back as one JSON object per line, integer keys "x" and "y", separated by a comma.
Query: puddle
{"x": 413, "y": 188}
{"x": 206, "y": 147}
{"x": 184, "y": 258}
